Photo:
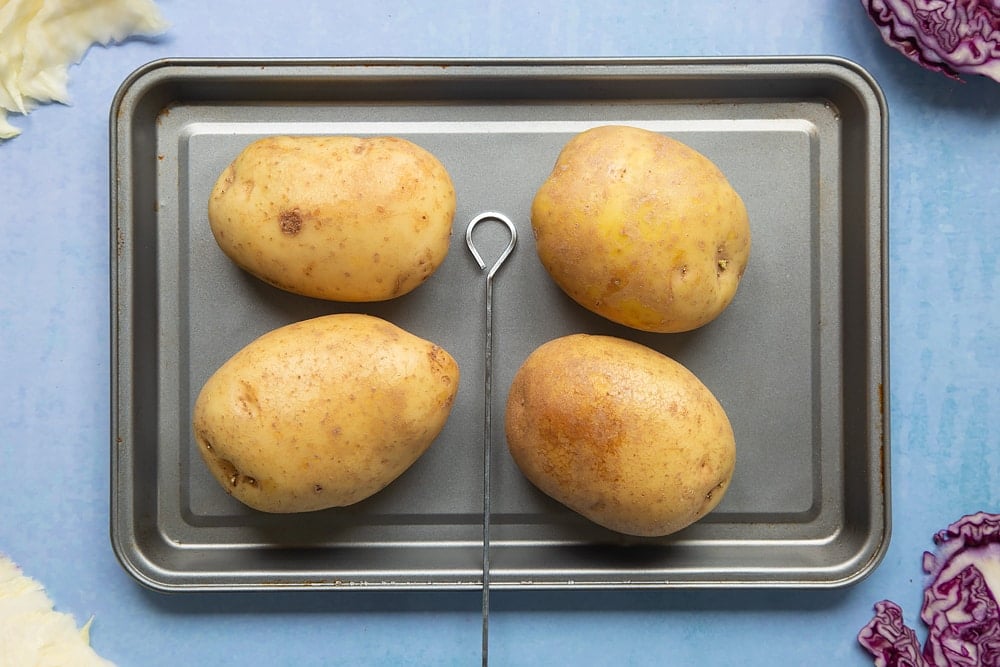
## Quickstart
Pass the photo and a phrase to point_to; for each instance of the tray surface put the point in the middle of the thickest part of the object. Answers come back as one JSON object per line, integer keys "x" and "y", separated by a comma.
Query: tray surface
{"x": 798, "y": 360}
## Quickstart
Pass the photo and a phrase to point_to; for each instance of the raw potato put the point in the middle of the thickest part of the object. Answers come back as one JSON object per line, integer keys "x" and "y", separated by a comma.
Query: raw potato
{"x": 339, "y": 218}
{"x": 641, "y": 229}
{"x": 619, "y": 433}
{"x": 323, "y": 413}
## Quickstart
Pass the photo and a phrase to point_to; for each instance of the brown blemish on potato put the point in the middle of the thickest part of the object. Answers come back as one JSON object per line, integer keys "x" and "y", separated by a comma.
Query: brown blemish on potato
{"x": 248, "y": 399}
{"x": 290, "y": 222}
{"x": 225, "y": 467}
{"x": 710, "y": 499}
{"x": 228, "y": 177}
{"x": 229, "y": 471}
{"x": 203, "y": 439}
{"x": 401, "y": 279}
{"x": 721, "y": 260}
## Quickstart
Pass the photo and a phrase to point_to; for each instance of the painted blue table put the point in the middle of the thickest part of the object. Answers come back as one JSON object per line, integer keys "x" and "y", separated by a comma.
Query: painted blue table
{"x": 54, "y": 358}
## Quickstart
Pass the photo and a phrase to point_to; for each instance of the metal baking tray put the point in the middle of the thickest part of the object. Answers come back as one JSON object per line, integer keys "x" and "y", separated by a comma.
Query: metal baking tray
{"x": 799, "y": 360}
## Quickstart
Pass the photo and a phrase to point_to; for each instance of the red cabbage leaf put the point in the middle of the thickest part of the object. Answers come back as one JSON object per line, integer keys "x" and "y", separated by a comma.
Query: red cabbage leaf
{"x": 947, "y": 36}
{"x": 889, "y": 640}
{"x": 960, "y": 606}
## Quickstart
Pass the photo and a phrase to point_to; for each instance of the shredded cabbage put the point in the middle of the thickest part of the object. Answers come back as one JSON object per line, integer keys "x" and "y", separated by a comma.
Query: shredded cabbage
{"x": 32, "y": 633}
{"x": 40, "y": 39}
{"x": 960, "y": 606}
{"x": 947, "y": 36}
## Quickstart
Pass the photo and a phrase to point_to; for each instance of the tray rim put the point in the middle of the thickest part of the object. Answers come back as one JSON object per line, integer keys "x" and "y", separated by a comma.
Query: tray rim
{"x": 126, "y": 551}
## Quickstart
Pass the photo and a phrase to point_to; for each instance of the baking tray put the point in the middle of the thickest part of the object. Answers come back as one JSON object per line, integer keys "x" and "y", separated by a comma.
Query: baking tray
{"x": 799, "y": 360}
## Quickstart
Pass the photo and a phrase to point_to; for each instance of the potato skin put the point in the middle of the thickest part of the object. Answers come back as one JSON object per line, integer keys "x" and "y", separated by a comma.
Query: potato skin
{"x": 334, "y": 217}
{"x": 641, "y": 229}
{"x": 322, "y": 413}
{"x": 619, "y": 433}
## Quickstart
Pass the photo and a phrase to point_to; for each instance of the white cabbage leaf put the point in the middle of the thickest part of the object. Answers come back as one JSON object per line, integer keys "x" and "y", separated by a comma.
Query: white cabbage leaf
{"x": 32, "y": 633}
{"x": 41, "y": 39}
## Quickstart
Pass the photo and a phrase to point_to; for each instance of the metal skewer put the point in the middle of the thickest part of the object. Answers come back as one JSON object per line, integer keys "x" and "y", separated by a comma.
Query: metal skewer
{"x": 487, "y": 421}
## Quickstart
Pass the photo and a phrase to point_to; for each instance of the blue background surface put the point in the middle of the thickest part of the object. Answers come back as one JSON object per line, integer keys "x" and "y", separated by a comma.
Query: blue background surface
{"x": 54, "y": 349}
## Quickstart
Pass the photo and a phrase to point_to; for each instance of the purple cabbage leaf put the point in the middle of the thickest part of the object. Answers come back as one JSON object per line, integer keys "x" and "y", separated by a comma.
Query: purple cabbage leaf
{"x": 960, "y": 606}
{"x": 948, "y": 36}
